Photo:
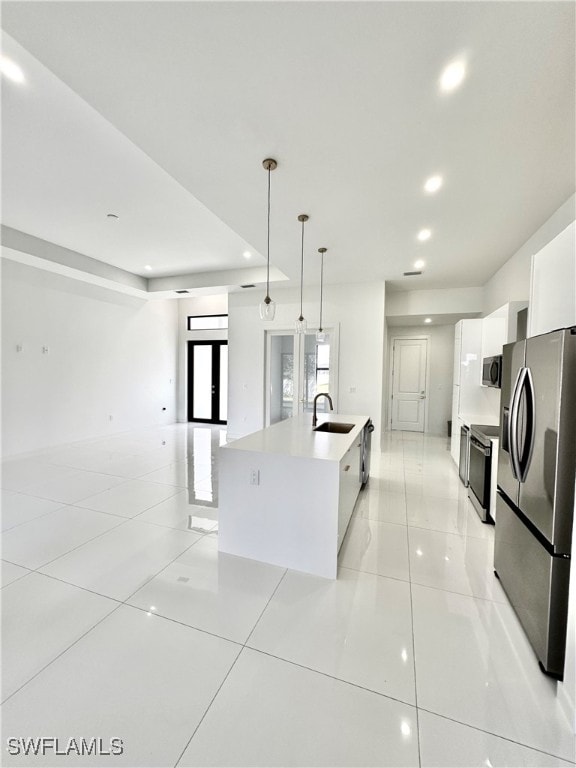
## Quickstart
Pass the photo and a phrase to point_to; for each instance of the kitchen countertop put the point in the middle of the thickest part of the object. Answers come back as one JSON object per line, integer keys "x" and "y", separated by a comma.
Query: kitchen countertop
{"x": 468, "y": 419}
{"x": 295, "y": 437}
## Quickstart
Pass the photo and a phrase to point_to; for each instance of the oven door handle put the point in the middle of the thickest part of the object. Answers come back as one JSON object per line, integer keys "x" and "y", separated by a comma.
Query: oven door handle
{"x": 479, "y": 447}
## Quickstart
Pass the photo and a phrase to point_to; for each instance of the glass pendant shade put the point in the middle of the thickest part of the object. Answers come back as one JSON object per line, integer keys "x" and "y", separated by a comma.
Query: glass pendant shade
{"x": 267, "y": 309}
{"x": 301, "y": 325}
{"x": 320, "y": 336}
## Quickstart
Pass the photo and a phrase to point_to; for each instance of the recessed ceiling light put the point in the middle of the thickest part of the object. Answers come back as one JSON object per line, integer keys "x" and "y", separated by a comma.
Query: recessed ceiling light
{"x": 453, "y": 75}
{"x": 11, "y": 70}
{"x": 247, "y": 255}
{"x": 428, "y": 320}
{"x": 424, "y": 234}
{"x": 420, "y": 264}
{"x": 433, "y": 184}
{"x": 148, "y": 268}
{"x": 112, "y": 216}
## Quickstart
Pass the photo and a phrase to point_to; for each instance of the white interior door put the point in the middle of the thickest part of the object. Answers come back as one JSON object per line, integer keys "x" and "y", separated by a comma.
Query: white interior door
{"x": 409, "y": 384}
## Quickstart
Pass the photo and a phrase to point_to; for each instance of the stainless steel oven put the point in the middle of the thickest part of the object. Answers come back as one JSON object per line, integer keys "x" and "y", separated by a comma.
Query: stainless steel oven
{"x": 480, "y": 468}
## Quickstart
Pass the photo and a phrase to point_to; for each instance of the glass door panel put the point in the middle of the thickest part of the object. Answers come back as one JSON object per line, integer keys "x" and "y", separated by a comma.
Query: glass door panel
{"x": 202, "y": 383}
{"x": 298, "y": 367}
{"x": 208, "y": 381}
{"x": 223, "y": 393}
{"x": 281, "y": 379}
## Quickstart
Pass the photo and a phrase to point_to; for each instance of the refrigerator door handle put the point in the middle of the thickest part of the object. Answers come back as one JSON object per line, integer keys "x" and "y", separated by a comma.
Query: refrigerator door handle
{"x": 506, "y": 429}
{"x": 526, "y": 457}
{"x": 513, "y": 426}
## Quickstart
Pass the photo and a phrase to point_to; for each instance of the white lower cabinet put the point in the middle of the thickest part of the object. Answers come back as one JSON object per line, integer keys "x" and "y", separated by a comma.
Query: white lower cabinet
{"x": 349, "y": 487}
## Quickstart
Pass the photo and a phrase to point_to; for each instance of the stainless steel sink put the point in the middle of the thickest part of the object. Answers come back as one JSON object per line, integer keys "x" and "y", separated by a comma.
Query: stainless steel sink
{"x": 335, "y": 426}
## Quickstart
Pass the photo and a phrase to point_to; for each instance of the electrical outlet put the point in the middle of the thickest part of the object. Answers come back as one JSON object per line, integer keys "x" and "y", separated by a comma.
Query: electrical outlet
{"x": 19, "y": 347}
{"x": 254, "y": 477}
{"x": 45, "y": 350}
{"x": 352, "y": 390}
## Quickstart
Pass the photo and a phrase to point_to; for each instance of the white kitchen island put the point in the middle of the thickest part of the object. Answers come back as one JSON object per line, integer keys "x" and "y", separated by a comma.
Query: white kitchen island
{"x": 286, "y": 493}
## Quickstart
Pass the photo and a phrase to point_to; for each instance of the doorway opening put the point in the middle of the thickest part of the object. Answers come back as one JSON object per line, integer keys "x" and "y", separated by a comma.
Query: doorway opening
{"x": 208, "y": 381}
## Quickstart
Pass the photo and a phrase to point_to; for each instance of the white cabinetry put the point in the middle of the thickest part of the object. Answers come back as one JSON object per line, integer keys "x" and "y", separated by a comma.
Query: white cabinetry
{"x": 470, "y": 375}
{"x": 471, "y": 402}
{"x": 553, "y": 285}
{"x": 349, "y": 486}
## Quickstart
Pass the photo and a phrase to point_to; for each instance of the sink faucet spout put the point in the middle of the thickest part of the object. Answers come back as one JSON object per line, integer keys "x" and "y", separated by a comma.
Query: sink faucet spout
{"x": 320, "y": 394}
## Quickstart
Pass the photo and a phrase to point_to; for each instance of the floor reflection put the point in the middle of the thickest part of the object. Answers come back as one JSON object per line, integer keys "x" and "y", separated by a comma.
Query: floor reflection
{"x": 203, "y": 442}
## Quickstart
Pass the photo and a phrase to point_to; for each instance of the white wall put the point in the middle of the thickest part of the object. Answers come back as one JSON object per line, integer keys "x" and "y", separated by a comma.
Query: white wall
{"x": 109, "y": 354}
{"x": 512, "y": 281}
{"x": 441, "y": 356}
{"x": 357, "y": 308}
{"x": 439, "y": 301}
{"x": 195, "y": 305}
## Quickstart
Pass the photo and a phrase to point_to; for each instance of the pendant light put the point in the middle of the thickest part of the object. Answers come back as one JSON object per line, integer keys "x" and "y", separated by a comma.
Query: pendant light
{"x": 301, "y": 322}
{"x": 267, "y": 306}
{"x": 321, "y": 336}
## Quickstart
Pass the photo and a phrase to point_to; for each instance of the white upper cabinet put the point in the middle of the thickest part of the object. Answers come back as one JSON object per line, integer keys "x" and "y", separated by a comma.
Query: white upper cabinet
{"x": 494, "y": 333}
{"x": 553, "y": 285}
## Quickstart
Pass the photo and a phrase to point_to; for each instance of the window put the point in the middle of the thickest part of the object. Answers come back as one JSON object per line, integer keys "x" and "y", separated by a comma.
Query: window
{"x": 207, "y": 322}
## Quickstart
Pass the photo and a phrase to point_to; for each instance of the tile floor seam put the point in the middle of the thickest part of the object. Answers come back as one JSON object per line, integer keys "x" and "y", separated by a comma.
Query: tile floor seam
{"x": 374, "y": 573}
{"x": 182, "y": 623}
{"x": 462, "y": 594}
{"x": 98, "y": 535}
{"x": 67, "y": 503}
{"x": 497, "y": 735}
{"x": 70, "y": 584}
{"x": 281, "y": 579}
{"x": 208, "y": 708}
{"x": 141, "y": 586}
{"x": 18, "y": 578}
{"x": 413, "y": 647}
{"x": 33, "y": 519}
{"x": 78, "y": 639}
{"x": 76, "y": 502}
{"x": 176, "y": 492}
{"x": 157, "y": 504}
{"x": 331, "y": 677}
{"x": 171, "y": 527}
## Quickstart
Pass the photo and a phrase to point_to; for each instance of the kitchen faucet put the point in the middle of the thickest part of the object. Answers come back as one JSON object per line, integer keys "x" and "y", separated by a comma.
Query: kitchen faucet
{"x": 320, "y": 394}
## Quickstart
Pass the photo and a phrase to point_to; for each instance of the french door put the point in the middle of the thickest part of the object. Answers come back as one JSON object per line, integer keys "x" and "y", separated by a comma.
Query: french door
{"x": 208, "y": 381}
{"x": 298, "y": 367}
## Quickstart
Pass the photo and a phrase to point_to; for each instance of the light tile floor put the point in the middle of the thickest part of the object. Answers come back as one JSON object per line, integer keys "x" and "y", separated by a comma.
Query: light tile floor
{"x": 122, "y": 620}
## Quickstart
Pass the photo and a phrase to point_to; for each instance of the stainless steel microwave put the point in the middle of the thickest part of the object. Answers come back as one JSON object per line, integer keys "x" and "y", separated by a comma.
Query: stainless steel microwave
{"x": 492, "y": 371}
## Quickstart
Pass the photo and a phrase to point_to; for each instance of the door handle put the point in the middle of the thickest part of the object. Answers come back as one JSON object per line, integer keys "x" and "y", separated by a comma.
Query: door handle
{"x": 526, "y": 457}
{"x": 513, "y": 424}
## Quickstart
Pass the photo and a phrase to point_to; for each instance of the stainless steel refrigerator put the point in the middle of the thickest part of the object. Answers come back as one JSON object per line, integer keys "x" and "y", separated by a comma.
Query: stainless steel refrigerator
{"x": 535, "y": 503}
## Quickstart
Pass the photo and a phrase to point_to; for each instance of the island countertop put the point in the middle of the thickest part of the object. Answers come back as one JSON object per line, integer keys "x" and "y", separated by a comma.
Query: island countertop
{"x": 296, "y": 437}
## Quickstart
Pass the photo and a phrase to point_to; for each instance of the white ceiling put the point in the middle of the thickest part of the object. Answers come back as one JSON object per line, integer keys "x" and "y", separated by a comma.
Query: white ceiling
{"x": 343, "y": 94}
{"x": 65, "y": 167}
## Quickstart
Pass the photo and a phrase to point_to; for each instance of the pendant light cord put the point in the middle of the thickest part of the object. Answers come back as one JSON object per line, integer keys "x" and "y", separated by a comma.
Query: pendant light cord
{"x": 302, "y": 273}
{"x": 321, "y": 286}
{"x": 268, "y": 258}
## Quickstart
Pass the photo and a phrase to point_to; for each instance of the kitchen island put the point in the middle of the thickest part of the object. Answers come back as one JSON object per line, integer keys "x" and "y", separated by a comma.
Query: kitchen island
{"x": 286, "y": 493}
